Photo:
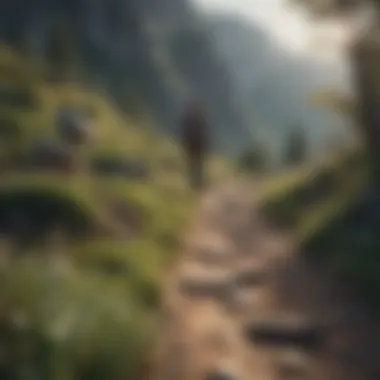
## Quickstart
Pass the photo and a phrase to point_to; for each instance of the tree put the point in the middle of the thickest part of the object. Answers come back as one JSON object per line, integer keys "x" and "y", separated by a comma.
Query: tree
{"x": 323, "y": 8}
{"x": 61, "y": 51}
{"x": 364, "y": 55}
{"x": 296, "y": 147}
{"x": 334, "y": 100}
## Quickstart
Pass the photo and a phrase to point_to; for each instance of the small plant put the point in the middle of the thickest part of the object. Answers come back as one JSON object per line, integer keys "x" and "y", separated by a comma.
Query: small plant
{"x": 254, "y": 160}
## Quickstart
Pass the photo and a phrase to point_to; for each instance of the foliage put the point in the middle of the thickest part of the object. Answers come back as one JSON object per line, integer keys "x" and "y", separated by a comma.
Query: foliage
{"x": 349, "y": 243}
{"x": 335, "y": 100}
{"x": 61, "y": 53}
{"x": 304, "y": 199}
{"x": 296, "y": 147}
{"x": 93, "y": 298}
{"x": 254, "y": 160}
{"x": 341, "y": 228}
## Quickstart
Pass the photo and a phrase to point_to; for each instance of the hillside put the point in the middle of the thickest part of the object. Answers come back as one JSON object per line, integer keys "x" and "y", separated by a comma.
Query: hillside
{"x": 87, "y": 230}
{"x": 139, "y": 53}
{"x": 276, "y": 82}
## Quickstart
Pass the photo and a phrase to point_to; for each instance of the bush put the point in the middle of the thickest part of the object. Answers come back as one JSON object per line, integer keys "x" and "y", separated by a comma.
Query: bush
{"x": 87, "y": 326}
{"x": 253, "y": 161}
{"x": 127, "y": 167}
{"x": 296, "y": 147}
{"x": 17, "y": 97}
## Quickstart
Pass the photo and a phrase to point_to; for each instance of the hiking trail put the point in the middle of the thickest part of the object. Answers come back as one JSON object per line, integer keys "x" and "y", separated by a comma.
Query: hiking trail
{"x": 241, "y": 303}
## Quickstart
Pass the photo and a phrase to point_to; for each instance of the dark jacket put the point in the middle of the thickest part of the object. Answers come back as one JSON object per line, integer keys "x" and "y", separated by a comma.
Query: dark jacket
{"x": 195, "y": 132}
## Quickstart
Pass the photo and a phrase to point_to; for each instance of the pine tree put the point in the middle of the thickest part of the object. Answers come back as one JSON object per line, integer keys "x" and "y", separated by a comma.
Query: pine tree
{"x": 363, "y": 54}
{"x": 296, "y": 147}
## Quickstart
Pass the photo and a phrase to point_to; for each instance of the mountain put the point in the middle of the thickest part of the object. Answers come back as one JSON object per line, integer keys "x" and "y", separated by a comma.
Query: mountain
{"x": 158, "y": 52}
{"x": 276, "y": 83}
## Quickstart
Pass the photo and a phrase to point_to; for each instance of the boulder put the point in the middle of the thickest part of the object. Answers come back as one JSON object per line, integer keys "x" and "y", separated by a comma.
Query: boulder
{"x": 50, "y": 155}
{"x": 74, "y": 126}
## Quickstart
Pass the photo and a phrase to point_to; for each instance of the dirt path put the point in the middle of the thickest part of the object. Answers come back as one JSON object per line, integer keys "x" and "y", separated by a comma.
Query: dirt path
{"x": 241, "y": 305}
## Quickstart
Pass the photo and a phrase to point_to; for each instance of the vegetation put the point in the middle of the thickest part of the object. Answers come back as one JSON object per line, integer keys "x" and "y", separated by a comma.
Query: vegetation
{"x": 254, "y": 160}
{"x": 338, "y": 226}
{"x": 296, "y": 147}
{"x": 85, "y": 281}
{"x": 304, "y": 199}
{"x": 62, "y": 53}
{"x": 349, "y": 244}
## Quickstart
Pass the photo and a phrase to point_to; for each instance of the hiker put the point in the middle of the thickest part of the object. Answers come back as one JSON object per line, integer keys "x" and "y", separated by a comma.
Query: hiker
{"x": 195, "y": 143}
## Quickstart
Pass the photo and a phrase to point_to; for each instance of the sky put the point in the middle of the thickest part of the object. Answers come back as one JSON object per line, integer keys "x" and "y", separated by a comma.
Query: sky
{"x": 288, "y": 25}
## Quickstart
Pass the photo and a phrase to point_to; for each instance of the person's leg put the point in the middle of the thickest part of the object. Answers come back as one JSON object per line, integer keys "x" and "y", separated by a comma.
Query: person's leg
{"x": 196, "y": 172}
{"x": 191, "y": 171}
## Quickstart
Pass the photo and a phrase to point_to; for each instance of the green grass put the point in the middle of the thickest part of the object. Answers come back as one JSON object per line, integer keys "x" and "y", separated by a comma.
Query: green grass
{"x": 100, "y": 313}
{"x": 325, "y": 229}
{"x": 82, "y": 318}
{"x": 296, "y": 200}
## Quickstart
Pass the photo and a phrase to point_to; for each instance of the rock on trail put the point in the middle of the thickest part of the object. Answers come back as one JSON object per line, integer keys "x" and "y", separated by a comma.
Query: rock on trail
{"x": 241, "y": 304}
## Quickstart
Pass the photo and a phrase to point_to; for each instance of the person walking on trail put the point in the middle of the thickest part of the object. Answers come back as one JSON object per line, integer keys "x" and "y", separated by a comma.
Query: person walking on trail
{"x": 195, "y": 141}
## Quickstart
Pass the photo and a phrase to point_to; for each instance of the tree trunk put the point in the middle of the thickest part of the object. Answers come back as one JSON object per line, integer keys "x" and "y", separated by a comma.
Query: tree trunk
{"x": 365, "y": 58}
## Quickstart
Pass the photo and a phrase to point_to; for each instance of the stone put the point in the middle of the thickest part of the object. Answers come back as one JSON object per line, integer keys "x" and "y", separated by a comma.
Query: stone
{"x": 250, "y": 278}
{"x": 204, "y": 288}
{"x": 46, "y": 154}
{"x": 212, "y": 255}
{"x": 222, "y": 374}
{"x": 286, "y": 332}
{"x": 293, "y": 365}
{"x": 73, "y": 126}
{"x": 219, "y": 376}
{"x": 244, "y": 301}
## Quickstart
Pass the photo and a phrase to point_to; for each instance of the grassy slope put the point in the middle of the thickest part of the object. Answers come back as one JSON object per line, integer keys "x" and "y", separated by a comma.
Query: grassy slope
{"x": 294, "y": 198}
{"x": 329, "y": 228}
{"x": 99, "y": 311}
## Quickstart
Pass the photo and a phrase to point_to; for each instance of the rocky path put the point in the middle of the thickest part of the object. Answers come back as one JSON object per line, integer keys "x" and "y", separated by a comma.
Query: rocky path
{"x": 240, "y": 304}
